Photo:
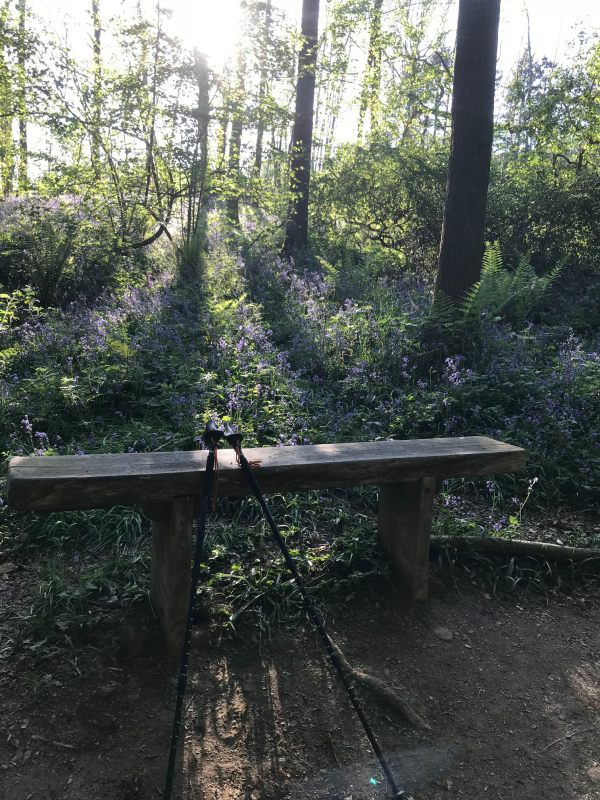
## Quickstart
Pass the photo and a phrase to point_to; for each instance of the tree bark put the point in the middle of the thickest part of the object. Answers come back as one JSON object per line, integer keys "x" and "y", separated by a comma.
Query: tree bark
{"x": 372, "y": 80}
{"x": 263, "y": 88}
{"x": 296, "y": 233}
{"x": 7, "y": 146}
{"x": 193, "y": 238}
{"x": 235, "y": 140}
{"x": 151, "y": 177}
{"x": 235, "y": 144}
{"x": 22, "y": 97}
{"x": 463, "y": 231}
{"x": 97, "y": 85}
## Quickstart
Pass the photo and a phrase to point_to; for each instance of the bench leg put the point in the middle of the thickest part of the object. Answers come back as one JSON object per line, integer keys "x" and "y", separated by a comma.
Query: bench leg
{"x": 171, "y": 566}
{"x": 405, "y": 511}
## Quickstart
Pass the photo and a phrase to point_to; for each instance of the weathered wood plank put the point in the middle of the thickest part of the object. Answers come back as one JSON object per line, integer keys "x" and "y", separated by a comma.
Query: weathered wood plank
{"x": 405, "y": 511}
{"x": 170, "y": 573}
{"x": 95, "y": 481}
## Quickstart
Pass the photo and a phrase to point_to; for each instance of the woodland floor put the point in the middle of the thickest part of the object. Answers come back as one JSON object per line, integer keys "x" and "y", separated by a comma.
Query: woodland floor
{"x": 513, "y": 699}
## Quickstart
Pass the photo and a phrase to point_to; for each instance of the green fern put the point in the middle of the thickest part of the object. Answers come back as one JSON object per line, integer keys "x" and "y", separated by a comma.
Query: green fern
{"x": 443, "y": 312}
{"x": 501, "y": 293}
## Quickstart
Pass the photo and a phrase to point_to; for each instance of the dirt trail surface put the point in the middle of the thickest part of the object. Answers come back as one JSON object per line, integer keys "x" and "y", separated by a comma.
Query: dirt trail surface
{"x": 512, "y": 693}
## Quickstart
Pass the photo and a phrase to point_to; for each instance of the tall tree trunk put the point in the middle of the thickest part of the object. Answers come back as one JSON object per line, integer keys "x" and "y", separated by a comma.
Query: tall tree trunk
{"x": 202, "y": 81}
{"x": 7, "y": 145}
{"x": 193, "y": 238}
{"x": 263, "y": 88}
{"x": 235, "y": 139}
{"x": 526, "y": 88}
{"x": 22, "y": 97}
{"x": 151, "y": 173}
{"x": 296, "y": 233}
{"x": 372, "y": 81}
{"x": 235, "y": 144}
{"x": 97, "y": 86}
{"x": 223, "y": 132}
{"x": 463, "y": 231}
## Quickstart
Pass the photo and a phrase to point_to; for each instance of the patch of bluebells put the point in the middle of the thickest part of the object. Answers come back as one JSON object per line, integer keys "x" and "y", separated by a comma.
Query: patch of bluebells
{"x": 454, "y": 371}
{"x": 538, "y": 387}
{"x": 292, "y": 362}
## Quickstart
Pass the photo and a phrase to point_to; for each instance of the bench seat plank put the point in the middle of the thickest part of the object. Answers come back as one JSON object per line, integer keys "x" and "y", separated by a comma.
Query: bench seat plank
{"x": 95, "y": 481}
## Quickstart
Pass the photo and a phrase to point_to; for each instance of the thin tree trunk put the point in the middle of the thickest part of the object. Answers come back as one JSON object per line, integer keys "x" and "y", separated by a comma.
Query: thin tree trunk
{"x": 97, "y": 86}
{"x": 235, "y": 141}
{"x": 235, "y": 144}
{"x": 202, "y": 80}
{"x": 223, "y": 133}
{"x": 151, "y": 135}
{"x": 526, "y": 92}
{"x": 372, "y": 81}
{"x": 7, "y": 146}
{"x": 22, "y": 97}
{"x": 191, "y": 255}
{"x": 263, "y": 88}
{"x": 296, "y": 233}
{"x": 463, "y": 231}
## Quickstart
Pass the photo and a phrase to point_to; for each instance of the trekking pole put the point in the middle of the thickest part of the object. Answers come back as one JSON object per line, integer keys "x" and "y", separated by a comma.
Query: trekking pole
{"x": 234, "y": 438}
{"x": 212, "y": 435}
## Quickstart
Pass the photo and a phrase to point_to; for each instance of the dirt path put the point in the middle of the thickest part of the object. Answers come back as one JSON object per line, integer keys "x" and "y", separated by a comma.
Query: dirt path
{"x": 513, "y": 698}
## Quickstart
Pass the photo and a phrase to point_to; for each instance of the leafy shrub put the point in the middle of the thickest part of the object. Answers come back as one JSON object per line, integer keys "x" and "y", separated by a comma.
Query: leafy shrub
{"x": 380, "y": 207}
{"x": 57, "y": 247}
{"x": 548, "y": 211}
{"x": 15, "y": 306}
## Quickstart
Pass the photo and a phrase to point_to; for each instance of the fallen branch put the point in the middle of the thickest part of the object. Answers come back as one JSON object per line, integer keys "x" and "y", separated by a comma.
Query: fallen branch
{"x": 37, "y": 738}
{"x": 380, "y": 688}
{"x": 516, "y": 547}
{"x": 568, "y": 736}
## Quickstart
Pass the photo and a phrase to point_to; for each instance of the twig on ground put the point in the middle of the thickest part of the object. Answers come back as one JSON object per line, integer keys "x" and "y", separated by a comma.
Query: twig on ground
{"x": 335, "y": 755}
{"x": 568, "y": 736}
{"x": 37, "y": 738}
{"x": 380, "y": 688}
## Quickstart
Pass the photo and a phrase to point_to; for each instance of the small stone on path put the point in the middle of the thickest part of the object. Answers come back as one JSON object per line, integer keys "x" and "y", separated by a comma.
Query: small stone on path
{"x": 445, "y": 634}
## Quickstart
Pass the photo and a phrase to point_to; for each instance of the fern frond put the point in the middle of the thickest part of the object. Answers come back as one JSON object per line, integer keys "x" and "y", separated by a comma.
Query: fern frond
{"x": 503, "y": 293}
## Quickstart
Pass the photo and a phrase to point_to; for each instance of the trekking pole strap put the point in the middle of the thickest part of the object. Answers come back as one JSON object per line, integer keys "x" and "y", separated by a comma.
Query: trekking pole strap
{"x": 313, "y": 613}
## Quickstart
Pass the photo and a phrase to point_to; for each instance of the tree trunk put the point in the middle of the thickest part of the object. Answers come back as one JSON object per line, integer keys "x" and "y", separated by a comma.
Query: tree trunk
{"x": 296, "y": 233}
{"x": 463, "y": 231}
{"x": 7, "y": 146}
{"x": 236, "y": 104}
{"x": 233, "y": 166}
{"x": 151, "y": 175}
{"x": 263, "y": 88}
{"x": 97, "y": 86}
{"x": 193, "y": 233}
{"x": 22, "y": 97}
{"x": 372, "y": 81}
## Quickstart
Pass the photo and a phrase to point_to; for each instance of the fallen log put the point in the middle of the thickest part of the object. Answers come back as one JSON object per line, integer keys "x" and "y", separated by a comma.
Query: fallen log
{"x": 494, "y": 545}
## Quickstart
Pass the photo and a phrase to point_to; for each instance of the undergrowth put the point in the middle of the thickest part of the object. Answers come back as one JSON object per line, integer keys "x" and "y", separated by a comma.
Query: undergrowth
{"x": 291, "y": 359}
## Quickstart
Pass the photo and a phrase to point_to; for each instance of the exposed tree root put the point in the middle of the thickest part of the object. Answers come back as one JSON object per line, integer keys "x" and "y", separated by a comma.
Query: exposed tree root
{"x": 517, "y": 547}
{"x": 381, "y": 689}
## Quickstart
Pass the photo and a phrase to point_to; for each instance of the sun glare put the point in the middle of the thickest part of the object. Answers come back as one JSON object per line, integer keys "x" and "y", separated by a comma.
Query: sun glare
{"x": 213, "y": 27}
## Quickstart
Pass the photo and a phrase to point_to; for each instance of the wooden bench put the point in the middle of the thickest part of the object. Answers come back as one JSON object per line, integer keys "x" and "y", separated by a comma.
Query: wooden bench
{"x": 167, "y": 485}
